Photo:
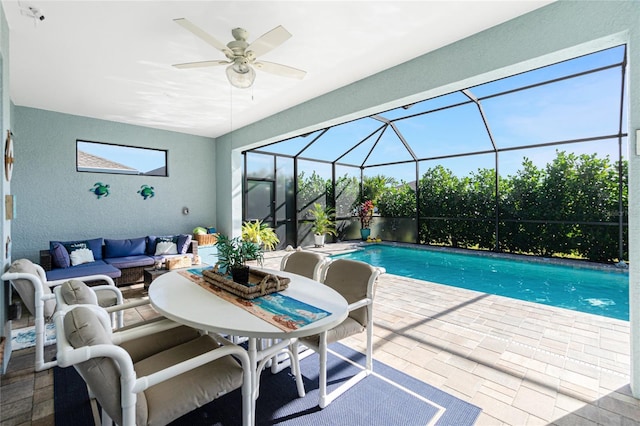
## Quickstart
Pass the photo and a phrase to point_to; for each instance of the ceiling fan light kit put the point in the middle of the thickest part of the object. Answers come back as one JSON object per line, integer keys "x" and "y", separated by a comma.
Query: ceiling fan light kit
{"x": 241, "y": 55}
{"x": 241, "y": 74}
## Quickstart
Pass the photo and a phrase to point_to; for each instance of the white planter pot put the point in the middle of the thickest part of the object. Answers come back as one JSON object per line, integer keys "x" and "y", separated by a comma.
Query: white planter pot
{"x": 318, "y": 240}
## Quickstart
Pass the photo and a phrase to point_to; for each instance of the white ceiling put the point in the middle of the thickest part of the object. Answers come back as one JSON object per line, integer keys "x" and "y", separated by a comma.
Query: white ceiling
{"x": 112, "y": 59}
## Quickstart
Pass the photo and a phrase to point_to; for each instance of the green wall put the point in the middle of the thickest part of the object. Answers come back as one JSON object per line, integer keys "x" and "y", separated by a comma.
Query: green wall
{"x": 54, "y": 202}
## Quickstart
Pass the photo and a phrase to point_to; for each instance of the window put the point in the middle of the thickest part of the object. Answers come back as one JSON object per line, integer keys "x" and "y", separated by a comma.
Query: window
{"x": 98, "y": 157}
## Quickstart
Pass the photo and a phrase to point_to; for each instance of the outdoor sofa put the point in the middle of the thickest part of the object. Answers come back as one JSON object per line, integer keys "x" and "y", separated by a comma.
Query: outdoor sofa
{"x": 124, "y": 260}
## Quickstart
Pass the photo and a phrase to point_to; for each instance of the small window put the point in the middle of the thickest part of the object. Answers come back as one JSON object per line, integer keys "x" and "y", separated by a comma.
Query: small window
{"x": 98, "y": 157}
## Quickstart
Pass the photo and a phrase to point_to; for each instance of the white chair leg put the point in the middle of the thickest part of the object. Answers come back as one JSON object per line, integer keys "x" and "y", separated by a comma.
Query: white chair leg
{"x": 369, "y": 354}
{"x": 295, "y": 368}
{"x": 322, "y": 396}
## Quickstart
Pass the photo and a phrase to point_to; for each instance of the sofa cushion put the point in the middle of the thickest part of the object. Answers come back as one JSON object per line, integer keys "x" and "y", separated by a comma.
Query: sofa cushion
{"x": 60, "y": 256}
{"x": 131, "y": 261}
{"x": 126, "y": 247}
{"x": 93, "y": 268}
{"x": 95, "y": 245}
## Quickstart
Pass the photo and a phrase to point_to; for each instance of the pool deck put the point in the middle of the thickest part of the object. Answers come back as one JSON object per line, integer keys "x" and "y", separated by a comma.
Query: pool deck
{"x": 522, "y": 363}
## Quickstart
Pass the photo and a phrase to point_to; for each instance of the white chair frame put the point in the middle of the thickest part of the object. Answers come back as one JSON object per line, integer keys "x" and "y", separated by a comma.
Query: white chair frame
{"x": 325, "y": 399}
{"x": 282, "y": 359}
{"x": 131, "y": 384}
{"x": 39, "y": 282}
{"x": 317, "y": 271}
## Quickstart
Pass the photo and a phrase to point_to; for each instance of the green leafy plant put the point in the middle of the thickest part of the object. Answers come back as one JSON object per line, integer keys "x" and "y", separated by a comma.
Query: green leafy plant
{"x": 235, "y": 252}
{"x": 260, "y": 234}
{"x": 323, "y": 220}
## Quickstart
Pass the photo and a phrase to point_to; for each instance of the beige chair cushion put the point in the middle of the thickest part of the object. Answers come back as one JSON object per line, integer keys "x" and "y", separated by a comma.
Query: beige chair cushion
{"x": 83, "y": 328}
{"x": 350, "y": 278}
{"x": 106, "y": 298}
{"x": 169, "y": 400}
{"x": 346, "y": 328}
{"x": 25, "y": 287}
{"x": 76, "y": 292}
{"x": 147, "y": 346}
{"x": 303, "y": 263}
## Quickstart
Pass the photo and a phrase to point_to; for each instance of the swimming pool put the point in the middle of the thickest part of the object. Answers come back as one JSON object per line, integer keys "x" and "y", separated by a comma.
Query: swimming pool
{"x": 600, "y": 292}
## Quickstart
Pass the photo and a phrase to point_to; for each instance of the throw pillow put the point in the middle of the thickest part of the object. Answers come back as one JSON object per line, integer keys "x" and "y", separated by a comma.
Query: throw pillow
{"x": 183, "y": 243}
{"x": 60, "y": 256}
{"x": 166, "y": 247}
{"x": 80, "y": 256}
{"x": 79, "y": 252}
{"x": 95, "y": 245}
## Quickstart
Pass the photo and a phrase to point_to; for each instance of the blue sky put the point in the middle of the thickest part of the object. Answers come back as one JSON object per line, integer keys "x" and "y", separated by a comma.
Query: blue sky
{"x": 582, "y": 107}
{"x": 141, "y": 159}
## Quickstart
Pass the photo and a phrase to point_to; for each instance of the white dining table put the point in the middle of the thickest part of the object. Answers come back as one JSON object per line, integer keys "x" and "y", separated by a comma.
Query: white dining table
{"x": 184, "y": 301}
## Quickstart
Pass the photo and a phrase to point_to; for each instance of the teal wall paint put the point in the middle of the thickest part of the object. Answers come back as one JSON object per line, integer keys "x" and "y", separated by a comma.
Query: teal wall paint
{"x": 5, "y": 124}
{"x": 54, "y": 201}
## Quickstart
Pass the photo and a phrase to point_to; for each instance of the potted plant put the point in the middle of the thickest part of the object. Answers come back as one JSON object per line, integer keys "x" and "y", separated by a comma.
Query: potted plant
{"x": 233, "y": 254}
{"x": 323, "y": 223}
{"x": 260, "y": 234}
{"x": 365, "y": 213}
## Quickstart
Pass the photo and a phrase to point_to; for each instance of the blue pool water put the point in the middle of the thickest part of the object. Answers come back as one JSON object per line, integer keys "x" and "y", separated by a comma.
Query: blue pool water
{"x": 600, "y": 292}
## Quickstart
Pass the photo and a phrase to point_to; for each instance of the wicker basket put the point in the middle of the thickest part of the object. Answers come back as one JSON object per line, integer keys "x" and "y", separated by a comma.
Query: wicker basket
{"x": 206, "y": 239}
{"x": 260, "y": 283}
{"x": 178, "y": 262}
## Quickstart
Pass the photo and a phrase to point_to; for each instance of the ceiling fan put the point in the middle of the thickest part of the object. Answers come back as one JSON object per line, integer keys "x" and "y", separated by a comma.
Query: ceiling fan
{"x": 242, "y": 56}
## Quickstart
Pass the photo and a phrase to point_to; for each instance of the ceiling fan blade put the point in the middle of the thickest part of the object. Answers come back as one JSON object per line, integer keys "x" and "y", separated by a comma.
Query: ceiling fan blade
{"x": 279, "y": 69}
{"x": 201, "y": 64}
{"x": 203, "y": 35}
{"x": 269, "y": 41}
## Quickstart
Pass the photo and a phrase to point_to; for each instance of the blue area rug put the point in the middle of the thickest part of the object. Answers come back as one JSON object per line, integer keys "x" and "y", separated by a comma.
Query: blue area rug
{"x": 387, "y": 397}
{"x": 22, "y": 338}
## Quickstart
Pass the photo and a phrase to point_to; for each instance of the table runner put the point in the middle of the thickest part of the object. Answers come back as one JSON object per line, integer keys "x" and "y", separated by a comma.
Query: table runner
{"x": 281, "y": 311}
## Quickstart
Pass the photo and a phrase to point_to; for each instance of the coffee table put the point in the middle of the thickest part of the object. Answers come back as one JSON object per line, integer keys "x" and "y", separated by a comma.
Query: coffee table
{"x": 151, "y": 274}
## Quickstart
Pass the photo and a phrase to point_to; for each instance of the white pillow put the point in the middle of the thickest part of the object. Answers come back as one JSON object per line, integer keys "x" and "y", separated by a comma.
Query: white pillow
{"x": 80, "y": 256}
{"x": 166, "y": 247}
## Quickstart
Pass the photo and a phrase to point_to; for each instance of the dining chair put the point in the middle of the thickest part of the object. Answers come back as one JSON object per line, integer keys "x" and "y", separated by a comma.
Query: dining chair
{"x": 355, "y": 281}
{"x": 306, "y": 263}
{"x": 30, "y": 282}
{"x": 150, "y": 374}
{"x": 76, "y": 292}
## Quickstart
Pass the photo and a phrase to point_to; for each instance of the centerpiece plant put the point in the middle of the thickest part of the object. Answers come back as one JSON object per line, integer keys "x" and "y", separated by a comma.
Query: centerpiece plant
{"x": 233, "y": 254}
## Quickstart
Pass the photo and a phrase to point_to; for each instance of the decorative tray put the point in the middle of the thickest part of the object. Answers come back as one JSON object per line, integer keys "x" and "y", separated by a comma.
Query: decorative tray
{"x": 260, "y": 283}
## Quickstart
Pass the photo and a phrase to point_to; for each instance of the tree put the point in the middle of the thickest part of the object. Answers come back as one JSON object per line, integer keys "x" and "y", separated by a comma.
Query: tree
{"x": 397, "y": 201}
